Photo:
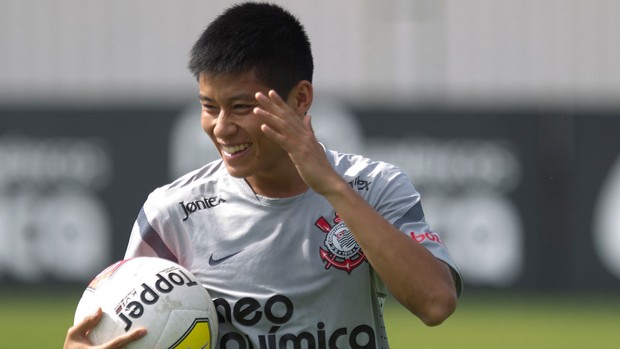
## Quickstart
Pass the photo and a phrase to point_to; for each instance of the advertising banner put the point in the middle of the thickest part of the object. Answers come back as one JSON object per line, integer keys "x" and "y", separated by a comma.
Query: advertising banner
{"x": 71, "y": 184}
{"x": 524, "y": 199}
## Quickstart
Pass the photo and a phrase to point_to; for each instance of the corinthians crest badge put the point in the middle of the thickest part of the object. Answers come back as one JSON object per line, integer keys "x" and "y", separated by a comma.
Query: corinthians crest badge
{"x": 340, "y": 249}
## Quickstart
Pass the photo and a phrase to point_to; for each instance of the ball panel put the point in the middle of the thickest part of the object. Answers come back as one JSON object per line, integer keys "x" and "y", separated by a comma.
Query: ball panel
{"x": 154, "y": 293}
{"x": 195, "y": 335}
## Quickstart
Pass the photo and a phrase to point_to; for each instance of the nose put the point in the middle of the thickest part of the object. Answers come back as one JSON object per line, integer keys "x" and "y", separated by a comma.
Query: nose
{"x": 224, "y": 125}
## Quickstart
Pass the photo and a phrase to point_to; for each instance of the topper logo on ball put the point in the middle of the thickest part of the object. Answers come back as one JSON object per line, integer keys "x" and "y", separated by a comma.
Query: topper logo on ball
{"x": 133, "y": 305}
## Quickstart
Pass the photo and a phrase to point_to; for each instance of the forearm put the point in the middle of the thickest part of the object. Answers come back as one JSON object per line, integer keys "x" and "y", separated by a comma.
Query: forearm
{"x": 418, "y": 280}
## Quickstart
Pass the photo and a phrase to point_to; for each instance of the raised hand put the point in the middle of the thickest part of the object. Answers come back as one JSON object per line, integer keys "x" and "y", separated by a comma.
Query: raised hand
{"x": 294, "y": 133}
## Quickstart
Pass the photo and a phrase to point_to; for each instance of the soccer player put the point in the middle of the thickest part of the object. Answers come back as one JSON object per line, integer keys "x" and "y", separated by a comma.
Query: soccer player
{"x": 298, "y": 245}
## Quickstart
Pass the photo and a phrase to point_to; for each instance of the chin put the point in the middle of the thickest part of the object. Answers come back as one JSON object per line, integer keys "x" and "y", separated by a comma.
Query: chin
{"x": 237, "y": 173}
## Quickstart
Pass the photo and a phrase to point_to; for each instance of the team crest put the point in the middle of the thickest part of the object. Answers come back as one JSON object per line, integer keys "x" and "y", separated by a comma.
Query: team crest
{"x": 340, "y": 249}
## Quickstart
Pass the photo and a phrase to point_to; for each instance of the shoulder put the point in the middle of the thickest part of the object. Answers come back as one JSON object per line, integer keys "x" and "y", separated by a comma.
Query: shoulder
{"x": 206, "y": 176}
{"x": 351, "y": 166}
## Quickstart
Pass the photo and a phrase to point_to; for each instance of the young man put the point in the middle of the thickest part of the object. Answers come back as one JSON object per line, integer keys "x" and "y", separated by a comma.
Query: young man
{"x": 297, "y": 244}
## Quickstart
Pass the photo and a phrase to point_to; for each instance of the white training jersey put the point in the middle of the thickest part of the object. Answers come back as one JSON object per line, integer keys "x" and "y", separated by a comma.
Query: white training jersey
{"x": 283, "y": 273}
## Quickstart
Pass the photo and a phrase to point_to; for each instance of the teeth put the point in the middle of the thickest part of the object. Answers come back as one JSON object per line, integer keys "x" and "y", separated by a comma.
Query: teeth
{"x": 232, "y": 149}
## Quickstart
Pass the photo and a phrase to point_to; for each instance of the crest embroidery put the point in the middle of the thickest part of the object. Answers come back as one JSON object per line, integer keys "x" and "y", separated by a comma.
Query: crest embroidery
{"x": 340, "y": 249}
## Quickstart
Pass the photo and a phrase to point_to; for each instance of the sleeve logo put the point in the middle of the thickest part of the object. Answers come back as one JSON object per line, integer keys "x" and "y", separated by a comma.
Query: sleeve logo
{"x": 426, "y": 236}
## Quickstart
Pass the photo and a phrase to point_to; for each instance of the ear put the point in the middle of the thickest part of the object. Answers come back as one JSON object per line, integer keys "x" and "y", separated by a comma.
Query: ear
{"x": 300, "y": 97}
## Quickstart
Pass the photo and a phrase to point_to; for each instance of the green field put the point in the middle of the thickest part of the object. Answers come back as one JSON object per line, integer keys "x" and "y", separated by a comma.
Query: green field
{"x": 547, "y": 322}
{"x": 39, "y": 320}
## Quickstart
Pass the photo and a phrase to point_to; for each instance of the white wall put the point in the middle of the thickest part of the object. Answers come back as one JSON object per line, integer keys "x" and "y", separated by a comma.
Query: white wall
{"x": 448, "y": 51}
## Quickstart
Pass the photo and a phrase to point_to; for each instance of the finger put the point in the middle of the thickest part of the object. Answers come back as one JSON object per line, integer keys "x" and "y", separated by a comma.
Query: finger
{"x": 259, "y": 111}
{"x": 266, "y": 107}
{"x": 88, "y": 322}
{"x": 76, "y": 335}
{"x": 125, "y": 339}
{"x": 276, "y": 123}
{"x": 275, "y": 97}
{"x": 272, "y": 134}
{"x": 271, "y": 101}
{"x": 263, "y": 100}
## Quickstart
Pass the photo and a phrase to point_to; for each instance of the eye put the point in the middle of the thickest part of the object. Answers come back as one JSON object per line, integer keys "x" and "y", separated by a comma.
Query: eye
{"x": 242, "y": 109}
{"x": 210, "y": 109}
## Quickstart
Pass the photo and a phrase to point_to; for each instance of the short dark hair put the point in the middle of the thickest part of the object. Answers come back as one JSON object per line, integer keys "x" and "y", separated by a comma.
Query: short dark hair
{"x": 255, "y": 36}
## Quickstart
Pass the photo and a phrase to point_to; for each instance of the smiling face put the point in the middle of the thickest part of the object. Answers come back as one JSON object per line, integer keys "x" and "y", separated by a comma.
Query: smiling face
{"x": 227, "y": 117}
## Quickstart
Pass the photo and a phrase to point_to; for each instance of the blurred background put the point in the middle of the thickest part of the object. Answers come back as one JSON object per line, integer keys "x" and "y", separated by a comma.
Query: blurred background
{"x": 504, "y": 114}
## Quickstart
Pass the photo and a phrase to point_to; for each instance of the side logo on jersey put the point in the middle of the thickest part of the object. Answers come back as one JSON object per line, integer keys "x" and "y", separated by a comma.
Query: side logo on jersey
{"x": 340, "y": 249}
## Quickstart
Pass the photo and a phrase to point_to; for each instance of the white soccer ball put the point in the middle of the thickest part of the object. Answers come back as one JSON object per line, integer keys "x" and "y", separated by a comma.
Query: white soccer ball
{"x": 153, "y": 293}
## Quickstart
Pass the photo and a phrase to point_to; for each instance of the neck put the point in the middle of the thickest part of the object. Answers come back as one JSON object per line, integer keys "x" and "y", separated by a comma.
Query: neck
{"x": 277, "y": 187}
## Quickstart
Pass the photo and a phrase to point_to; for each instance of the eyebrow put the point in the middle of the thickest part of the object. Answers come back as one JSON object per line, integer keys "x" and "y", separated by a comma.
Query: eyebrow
{"x": 205, "y": 98}
{"x": 241, "y": 96}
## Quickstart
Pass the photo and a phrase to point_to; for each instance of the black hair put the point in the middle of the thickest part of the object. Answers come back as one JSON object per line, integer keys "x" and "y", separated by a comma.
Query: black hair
{"x": 255, "y": 36}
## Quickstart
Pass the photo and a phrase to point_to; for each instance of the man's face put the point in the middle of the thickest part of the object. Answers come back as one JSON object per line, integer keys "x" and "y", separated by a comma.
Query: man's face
{"x": 227, "y": 117}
